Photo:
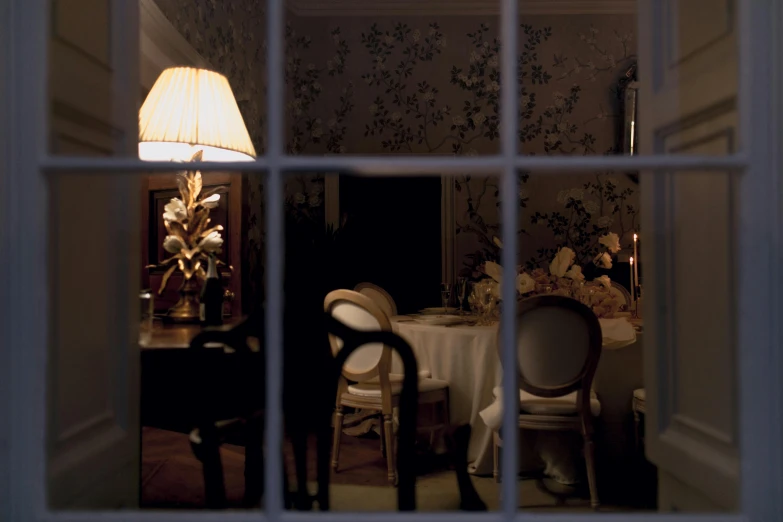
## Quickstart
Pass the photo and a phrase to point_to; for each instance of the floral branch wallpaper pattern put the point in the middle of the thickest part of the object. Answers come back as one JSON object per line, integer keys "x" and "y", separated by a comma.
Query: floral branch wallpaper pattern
{"x": 409, "y": 85}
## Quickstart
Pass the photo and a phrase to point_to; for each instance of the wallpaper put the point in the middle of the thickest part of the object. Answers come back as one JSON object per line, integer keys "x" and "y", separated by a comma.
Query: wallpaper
{"x": 389, "y": 85}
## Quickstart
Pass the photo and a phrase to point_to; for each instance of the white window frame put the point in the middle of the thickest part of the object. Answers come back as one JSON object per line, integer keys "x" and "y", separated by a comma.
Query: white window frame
{"x": 26, "y": 166}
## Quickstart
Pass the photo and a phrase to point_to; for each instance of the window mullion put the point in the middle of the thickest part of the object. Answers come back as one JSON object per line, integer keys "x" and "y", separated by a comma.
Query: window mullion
{"x": 509, "y": 206}
{"x": 273, "y": 494}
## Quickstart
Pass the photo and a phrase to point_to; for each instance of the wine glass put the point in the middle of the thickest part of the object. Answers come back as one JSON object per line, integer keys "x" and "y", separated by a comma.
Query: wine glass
{"x": 487, "y": 301}
{"x": 462, "y": 288}
{"x": 445, "y": 295}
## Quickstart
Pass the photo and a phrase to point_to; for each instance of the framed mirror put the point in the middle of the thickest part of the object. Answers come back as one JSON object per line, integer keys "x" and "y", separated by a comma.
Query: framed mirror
{"x": 629, "y": 87}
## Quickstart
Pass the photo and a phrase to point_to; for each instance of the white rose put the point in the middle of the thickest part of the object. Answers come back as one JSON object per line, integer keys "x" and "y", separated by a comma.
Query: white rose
{"x": 416, "y": 35}
{"x": 396, "y": 116}
{"x": 525, "y": 283}
{"x": 175, "y": 210}
{"x": 603, "y": 260}
{"x": 604, "y": 281}
{"x": 576, "y": 193}
{"x": 299, "y": 198}
{"x": 494, "y": 270}
{"x": 173, "y": 244}
{"x": 495, "y": 290}
{"x": 611, "y": 241}
{"x": 457, "y": 120}
{"x": 562, "y": 261}
{"x": 478, "y": 118}
{"x": 429, "y": 95}
{"x": 211, "y": 242}
{"x": 575, "y": 273}
{"x": 561, "y": 197}
{"x": 592, "y": 207}
{"x": 317, "y": 132}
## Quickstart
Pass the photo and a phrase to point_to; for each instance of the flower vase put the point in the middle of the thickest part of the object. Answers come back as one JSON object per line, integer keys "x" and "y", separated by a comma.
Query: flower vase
{"x": 187, "y": 308}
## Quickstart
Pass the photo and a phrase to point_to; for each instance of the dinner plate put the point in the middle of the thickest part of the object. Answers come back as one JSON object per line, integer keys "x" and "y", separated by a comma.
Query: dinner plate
{"x": 437, "y": 311}
{"x": 438, "y": 319}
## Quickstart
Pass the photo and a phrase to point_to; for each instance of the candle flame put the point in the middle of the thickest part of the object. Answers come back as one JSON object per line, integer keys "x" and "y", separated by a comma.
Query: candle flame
{"x": 631, "y": 259}
{"x": 635, "y": 237}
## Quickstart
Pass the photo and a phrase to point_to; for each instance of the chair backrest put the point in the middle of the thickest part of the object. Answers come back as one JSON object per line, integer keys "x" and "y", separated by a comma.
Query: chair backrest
{"x": 558, "y": 346}
{"x": 621, "y": 293}
{"x": 361, "y": 313}
{"x": 380, "y": 296}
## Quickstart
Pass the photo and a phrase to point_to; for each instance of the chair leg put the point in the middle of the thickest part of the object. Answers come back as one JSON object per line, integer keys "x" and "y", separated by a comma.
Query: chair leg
{"x": 391, "y": 462}
{"x": 338, "y": 431}
{"x": 590, "y": 464}
{"x": 495, "y": 459}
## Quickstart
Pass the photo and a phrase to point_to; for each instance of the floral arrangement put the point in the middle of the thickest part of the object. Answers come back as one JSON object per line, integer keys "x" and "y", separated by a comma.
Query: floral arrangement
{"x": 190, "y": 238}
{"x": 565, "y": 278}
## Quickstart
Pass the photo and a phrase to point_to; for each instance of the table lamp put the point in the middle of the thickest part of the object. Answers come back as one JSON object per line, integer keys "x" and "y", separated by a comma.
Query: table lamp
{"x": 191, "y": 115}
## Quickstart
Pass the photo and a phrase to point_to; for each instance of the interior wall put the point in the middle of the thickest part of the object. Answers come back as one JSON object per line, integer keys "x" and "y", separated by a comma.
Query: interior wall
{"x": 351, "y": 88}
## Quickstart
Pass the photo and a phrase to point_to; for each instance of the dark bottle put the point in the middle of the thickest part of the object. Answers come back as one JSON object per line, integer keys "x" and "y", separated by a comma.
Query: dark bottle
{"x": 211, "y": 308}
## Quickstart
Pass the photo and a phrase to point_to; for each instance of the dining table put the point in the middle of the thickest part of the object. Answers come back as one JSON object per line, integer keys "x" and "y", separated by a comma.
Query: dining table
{"x": 464, "y": 353}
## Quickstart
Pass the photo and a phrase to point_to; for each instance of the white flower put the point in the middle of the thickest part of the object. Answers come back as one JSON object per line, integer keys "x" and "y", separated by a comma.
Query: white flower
{"x": 316, "y": 87}
{"x": 462, "y": 77}
{"x": 523, "y": 194}
{"x": 478, "y": 118}
{"x": 373, "y": 108}
{"x": 525, "y": 283}
{"x": 474, "y": 57}
{"x": 175, "y": 210}
{"x": 429, "y": 95}
{"x": 561, "y": 197}
{"x": 603, "y": 260}
{"x": 173, "y": 244}
{"x": 212, "y": 201}
{"x": 299, "y": 198}
{"x": 495, "y": 289}
{"x": 416, "y": 35}
{"x": 331, "y": 123}
{"x": 317, "y": 132}
{"x": 611, "y": 241}
{"x": 604, "y": 221}
{"x": 592, "y": 207}
{"x": 396, "y": 116}
{"x": 389, "y": 39}
{"x": 576, "y": 193}
{"x": 314, "y": 200}
{"x": 494, "y": 270}
{"x": 575, "y": 273}
{"x": 457, "y": 120}
{"x": 493, "y": 61}
{"x": 441, "y": 42}
{"x": 494, "y": 86}
{"x": 604, "y": 281}
{"x": 497, "y": 241}
{"x": 562, "y": 261}
{"x": 211, "y": 242}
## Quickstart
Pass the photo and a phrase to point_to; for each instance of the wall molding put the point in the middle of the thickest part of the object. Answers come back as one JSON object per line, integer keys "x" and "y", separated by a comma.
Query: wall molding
{"x": 456, "y": 7}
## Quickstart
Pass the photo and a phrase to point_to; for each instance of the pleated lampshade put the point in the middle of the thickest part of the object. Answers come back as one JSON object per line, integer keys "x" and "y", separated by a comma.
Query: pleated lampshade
{"x": 188, "y": 110}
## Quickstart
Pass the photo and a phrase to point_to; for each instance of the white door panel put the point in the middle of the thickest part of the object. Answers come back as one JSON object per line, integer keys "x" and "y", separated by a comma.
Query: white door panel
{"x": 688, "y": 106}
{"x": 93, "y": 426}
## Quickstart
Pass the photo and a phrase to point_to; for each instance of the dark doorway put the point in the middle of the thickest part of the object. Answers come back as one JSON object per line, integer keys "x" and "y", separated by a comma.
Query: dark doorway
{"x": 393, "y": 227}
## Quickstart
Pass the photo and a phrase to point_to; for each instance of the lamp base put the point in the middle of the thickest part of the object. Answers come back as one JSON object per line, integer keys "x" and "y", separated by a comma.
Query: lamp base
{"x": 186, "y": 311}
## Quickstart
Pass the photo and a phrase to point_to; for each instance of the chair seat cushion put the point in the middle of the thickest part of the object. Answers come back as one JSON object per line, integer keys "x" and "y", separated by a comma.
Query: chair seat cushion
{"x": 565, "y": 405}
{"x": 368, "y": 389}
{"x": 640, "y": 395}
{"x": 398, "y": 377}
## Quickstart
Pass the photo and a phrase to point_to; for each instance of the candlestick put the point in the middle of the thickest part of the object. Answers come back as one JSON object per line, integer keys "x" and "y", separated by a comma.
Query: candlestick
{"x": 635, "y": 282}
{"x": 633, "y": 286}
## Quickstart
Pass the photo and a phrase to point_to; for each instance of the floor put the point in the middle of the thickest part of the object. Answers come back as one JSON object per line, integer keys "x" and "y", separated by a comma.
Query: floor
{"x": 171, "y": 479}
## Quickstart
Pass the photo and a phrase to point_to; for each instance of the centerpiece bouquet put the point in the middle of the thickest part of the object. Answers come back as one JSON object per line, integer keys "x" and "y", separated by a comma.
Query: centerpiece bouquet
{"x": 565, "y": 278}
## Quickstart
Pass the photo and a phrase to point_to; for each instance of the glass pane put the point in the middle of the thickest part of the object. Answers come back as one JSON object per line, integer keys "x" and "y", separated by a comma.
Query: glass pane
{"x": 386, "y": 260}
{"x": 582, "y": 237}
{"x": 139, "y": 416}
{"x": 414, "y": 80}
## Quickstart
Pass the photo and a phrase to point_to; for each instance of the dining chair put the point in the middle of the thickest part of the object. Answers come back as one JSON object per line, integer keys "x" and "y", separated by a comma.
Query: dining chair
{"x": 558, "y": 348}
{"x": 380, "y": 296}
{"x": 366, "y": 381}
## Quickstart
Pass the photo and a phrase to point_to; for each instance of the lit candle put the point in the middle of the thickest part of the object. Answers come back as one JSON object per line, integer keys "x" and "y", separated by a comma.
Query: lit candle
{"x": 636, "y": 267}
{"x": 633, "y": 287}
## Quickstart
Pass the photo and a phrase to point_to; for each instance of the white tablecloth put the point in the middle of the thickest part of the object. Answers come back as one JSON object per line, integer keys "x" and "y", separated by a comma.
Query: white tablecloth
{"x": 466, "y": 357}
